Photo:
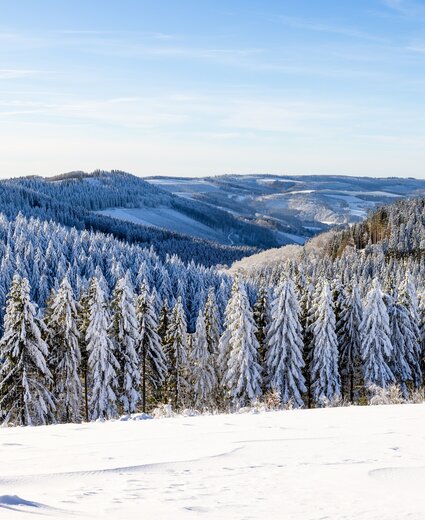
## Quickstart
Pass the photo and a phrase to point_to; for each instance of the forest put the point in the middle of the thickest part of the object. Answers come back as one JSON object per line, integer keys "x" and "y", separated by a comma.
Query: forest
{"x": 95, "y": 328}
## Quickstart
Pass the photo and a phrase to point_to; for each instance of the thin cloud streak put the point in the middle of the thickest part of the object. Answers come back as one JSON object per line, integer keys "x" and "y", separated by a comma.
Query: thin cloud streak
{"x": 309, "y": 25}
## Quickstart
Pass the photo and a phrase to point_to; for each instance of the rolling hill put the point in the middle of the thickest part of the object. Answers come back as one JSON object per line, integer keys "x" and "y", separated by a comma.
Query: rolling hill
{"x": 296, "y": 207}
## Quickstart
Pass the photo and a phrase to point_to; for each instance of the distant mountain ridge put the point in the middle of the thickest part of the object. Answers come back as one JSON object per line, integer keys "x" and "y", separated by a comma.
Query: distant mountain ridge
{"x": 212, "y": 220}
{"x": 77, "y": 199}
{"x": 296, "y": 207}
{"x": 118, "y": 194}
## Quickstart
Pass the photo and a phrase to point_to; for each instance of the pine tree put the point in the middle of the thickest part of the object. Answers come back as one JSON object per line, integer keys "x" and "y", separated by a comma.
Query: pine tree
{"x": 350, "y": 339}
{"x": 176, "y": 353}
{"x": 409, "y": 299}
{"x": 102, "y": 362}
{"x": 376, "y": 343}
{"x": 243, "y": 373}
{"x": 202, "y": 374}
{"x": 310, "y": 301}
{"x": 213, "y": 332}
{"x": 125, "y": 335}
{"x": 212, "y": 322}
{"x": 224, "y": 346}
{"x": 262, "y": 318}
{"x": 24, "y": 374}
{"x": 404, "y": 362}
{"x": 65, "y": 357}
{"x": 83, "y": 323}
{"x": 151, "y": 354}
{"x": 324, "y": 367}
{"x": 284, "y": 361}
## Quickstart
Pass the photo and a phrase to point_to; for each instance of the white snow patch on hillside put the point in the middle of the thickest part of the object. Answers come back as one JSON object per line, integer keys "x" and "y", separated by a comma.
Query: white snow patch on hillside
{"x": 166, "y": 218}
{"x": 353, "y": 463}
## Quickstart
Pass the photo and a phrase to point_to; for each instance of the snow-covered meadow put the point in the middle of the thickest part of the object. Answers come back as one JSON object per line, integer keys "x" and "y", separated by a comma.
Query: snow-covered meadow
{"x": 336, "y": 463}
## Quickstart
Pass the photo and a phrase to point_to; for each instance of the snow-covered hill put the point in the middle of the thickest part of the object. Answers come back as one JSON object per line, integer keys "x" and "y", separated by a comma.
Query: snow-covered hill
{"x": 354, "y": 463}
{"x": 296, "y": 206}
{"x": 258, "y": 211}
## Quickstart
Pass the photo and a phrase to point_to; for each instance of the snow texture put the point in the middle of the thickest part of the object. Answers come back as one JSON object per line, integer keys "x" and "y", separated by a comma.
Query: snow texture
{"x": 357, "y": 463}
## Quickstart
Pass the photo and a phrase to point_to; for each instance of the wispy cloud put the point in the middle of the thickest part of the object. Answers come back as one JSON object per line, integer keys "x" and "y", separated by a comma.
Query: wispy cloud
{"x": 224, "y": 116}
{"x": 406, "y": 8}
{"x": 16, "y": 73}
{"x": 416, "y": 47}
{"x": 318, "y": 26}
{"x": 120, "y": 33}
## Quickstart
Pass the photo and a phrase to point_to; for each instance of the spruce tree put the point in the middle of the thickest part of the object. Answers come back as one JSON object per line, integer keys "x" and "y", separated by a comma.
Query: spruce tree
{"x": 125, "y": 335}
{"x": 310, "y": 302}
{"x": 409, "y": 299}
{"x": 243, "y": 372}
{"x": 213, "y": 331}
{"x": 262, "y": 318}
{"x": 324, "y": 366}
{"x": 176, "y": 353}
{"x": 24, "y": 375}
{"x": 284, "y": 361}
{"x": 350, "y": 340}
{"x": 212, "y": 322}
{"x": 102, "y": 363}
{"x": 224, "y": 347}
{"x": 376, "y": 343}
{"x": 83, "y": 323}
{"x": 65, "y": 357}
{"x": 151, "y": 354}
{"x": 202, "y": 375}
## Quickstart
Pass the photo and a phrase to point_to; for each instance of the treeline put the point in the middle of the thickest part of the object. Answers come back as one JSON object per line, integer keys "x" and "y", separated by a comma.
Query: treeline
{"x": 99, "y": 357}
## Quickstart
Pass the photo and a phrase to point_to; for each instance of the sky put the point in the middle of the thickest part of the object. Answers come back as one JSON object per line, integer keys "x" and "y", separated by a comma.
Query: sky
{"x": 205, "y": 87}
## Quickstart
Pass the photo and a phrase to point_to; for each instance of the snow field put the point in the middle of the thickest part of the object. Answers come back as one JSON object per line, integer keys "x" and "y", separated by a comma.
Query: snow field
{"x": 339, "y": 463}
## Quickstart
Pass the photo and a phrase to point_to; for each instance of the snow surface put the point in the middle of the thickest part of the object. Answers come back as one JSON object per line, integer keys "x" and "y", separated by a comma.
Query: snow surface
{"x": 166, "y": 218}
{"x": 342, "y": 463}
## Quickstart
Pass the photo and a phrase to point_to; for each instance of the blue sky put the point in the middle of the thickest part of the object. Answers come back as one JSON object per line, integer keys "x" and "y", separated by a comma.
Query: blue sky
{"x": 199, "y": 87}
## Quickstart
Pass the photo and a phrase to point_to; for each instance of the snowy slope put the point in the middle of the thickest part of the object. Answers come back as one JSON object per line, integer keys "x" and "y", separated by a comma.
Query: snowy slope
{"x": 295, "y": 201}
{"x": 343, "y": 463}
{"x": 168, "y": 218}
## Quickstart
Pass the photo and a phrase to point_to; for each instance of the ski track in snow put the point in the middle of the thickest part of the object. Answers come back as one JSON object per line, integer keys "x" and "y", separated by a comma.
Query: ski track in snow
{"x": 344, "y": 463}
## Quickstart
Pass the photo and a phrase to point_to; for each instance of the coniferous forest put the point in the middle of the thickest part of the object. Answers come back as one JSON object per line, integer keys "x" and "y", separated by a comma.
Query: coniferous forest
{"x": 94, "y": 327}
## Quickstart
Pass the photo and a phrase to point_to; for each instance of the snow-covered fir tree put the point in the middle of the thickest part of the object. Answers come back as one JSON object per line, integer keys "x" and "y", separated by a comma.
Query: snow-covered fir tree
{"x": 326, "y": 384}
{"x": 350, "y": 340}
{"x": 125, "y": 335}
{"x": 202, "y": 375}
{"x": 64, "y": 356}
{"x": 376, "y": 340}
{"x": 409, "y": 298}
{"x": 311, "y": 300}
{"x": 152, "y": 359}
{"x": 213, "y": 331}
{"x": 25, "y": 378}
{"x": 177, "y": 357}
{"x": 262, "y": 318}
{"x": 102, "y": 363}
{"x": 212, "y": 322}
{"x": 242, "y": 375}
{"x": 83, "y": 321}
{"x": 284, "y": 359}
{"x": 404, "y": 362}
